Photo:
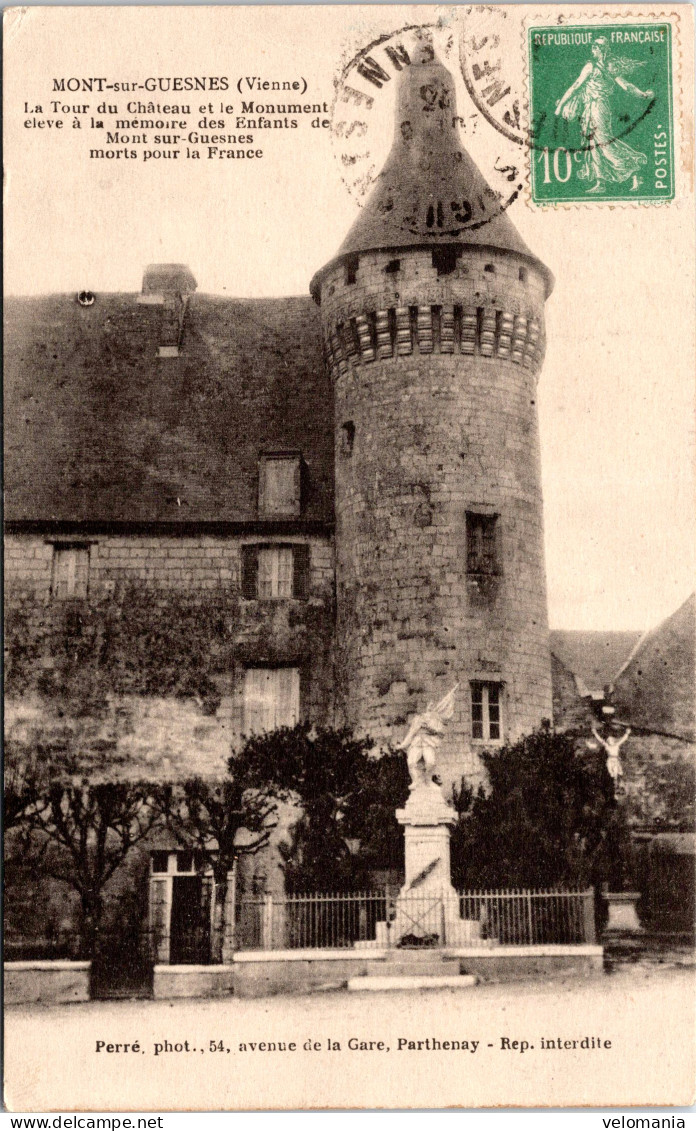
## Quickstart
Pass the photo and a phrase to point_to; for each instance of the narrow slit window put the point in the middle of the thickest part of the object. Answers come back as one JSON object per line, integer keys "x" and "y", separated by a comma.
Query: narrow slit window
{"x": 482, "y": 543}
{"x": 347, "y": 437}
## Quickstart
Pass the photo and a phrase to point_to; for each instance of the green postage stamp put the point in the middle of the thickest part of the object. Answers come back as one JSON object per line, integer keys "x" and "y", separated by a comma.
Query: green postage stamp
{"x": 601, "y": 112}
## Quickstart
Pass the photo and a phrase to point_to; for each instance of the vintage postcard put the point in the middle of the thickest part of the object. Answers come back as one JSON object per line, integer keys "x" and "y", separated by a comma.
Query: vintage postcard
{"x": 349, "y": 612}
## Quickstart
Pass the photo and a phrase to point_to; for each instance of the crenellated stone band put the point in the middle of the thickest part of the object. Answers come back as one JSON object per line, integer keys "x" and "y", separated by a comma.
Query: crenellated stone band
{"x": 450, "y": 329}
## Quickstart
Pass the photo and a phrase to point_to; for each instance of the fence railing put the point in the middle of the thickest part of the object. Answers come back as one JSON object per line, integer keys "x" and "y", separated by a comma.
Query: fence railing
{"x": 329, "y": 920}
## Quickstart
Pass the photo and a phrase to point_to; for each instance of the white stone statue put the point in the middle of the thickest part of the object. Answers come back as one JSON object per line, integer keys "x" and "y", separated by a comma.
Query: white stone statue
{"x": 612, "y": 746}
{"x": 424, "y": 737}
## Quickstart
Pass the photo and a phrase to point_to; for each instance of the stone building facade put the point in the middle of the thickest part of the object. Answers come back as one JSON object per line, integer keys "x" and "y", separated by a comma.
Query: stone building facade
{"x": 227, "y": 515}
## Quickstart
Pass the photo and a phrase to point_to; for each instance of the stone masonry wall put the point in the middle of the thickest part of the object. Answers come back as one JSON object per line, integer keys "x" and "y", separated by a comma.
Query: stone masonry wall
{"x": 181, "y": 601}
{"x": 434, "y": 418}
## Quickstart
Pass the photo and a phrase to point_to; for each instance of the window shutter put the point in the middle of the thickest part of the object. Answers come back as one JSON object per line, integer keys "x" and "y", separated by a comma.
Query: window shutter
{"x": 81, "y": 572}
{"x": 257, "y": 701}
{"x": 301, "y": 565}
{"x": 287, "y": 705}
{"x": 250, "y": 572}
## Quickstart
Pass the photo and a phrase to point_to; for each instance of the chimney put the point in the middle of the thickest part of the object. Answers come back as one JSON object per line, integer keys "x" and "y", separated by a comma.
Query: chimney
{"x": 168, "y": 285}
{"x": 162, "y": 280}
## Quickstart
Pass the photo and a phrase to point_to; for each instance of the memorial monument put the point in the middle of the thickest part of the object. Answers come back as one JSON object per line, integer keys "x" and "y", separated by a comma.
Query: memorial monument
{"x": 426, "y": 911}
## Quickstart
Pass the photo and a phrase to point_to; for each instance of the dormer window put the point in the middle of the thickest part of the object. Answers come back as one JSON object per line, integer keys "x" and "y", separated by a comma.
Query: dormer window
{"x": 70, "y": 572}
{"x": 280, "y": 485}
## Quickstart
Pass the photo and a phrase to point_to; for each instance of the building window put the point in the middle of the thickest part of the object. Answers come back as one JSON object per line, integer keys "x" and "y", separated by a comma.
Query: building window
{"x": 275, "y": 572}
{"x": 271, "y": 699}
{"x": 486, "y": 712}
{"x": 482, "y": 543}
{"x": 279, "y": 485}
{"x": 70, "y": 573}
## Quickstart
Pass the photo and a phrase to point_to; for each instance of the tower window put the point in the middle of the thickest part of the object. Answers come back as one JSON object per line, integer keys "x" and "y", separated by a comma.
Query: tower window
{"x": 70, "y": 573}
{"x": 347, "y": 438}
{"x": 445, "y": 259}
{"x": 486, "y": 712}
{"x": 393, "y": 267}
{"x": 482, "y": 543}
{"x": 271, "y": 699}
{"x": 280, "y": 485}
{"x": 351, "y": 270}
{"x": 489, "y": 269}
{"x": 523, "y": 274}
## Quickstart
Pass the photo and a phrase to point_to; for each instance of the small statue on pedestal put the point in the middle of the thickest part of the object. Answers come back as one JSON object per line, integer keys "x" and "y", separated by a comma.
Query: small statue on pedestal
{"x": 423, "y": 740}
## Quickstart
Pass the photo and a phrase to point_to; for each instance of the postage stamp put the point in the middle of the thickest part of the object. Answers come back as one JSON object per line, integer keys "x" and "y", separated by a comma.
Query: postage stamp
{"x": 601, "y": 112}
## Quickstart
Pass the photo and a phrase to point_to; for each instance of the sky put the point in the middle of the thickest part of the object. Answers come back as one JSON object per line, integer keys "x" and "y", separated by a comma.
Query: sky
{"x": 616, "y": 391}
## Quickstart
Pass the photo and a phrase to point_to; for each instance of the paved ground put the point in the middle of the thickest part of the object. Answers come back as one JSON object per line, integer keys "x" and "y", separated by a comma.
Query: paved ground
{"x": 646, "y": 1013}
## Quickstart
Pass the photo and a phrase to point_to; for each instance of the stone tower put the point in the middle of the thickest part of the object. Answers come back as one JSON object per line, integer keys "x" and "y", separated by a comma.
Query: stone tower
{"x": 432, "y": 316}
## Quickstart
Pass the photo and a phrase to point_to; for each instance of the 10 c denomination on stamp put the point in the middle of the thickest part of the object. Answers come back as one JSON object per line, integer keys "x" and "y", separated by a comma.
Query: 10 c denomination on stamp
{"x": 601, "y": 123}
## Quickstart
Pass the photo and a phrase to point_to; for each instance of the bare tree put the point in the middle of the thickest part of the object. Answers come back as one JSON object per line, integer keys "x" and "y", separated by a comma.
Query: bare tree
{"x": 221, "y": 820}
{"x": 94, "y": 827}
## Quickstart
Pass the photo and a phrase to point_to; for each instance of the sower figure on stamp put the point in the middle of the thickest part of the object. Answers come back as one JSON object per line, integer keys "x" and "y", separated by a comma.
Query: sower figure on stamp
{"x": 612, "y": 746}
{"x": 605, "y": 157}
{"x": 423, "y": 740}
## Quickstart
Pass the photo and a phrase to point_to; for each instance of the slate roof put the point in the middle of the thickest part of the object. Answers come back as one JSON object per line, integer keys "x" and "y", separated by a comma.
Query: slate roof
{"x": 656, "y": 690}
{"x": 594, "y": 657}
{"x": 99, "y": 428}
{"x": 427, "y": 169}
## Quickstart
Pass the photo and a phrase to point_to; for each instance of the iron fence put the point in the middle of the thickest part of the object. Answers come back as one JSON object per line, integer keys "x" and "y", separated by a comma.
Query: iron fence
{"x": 524, "y": 917}
{"x": 312, "y": 920}
{"x": 515, "y": 917}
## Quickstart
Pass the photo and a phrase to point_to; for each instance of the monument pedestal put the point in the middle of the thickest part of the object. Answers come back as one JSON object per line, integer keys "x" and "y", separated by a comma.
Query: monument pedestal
{"x": 426, "y": 911}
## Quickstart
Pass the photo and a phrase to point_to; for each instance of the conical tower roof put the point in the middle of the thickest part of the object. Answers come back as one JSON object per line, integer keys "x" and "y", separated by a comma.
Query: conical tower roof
{"x": 430, "y": 191}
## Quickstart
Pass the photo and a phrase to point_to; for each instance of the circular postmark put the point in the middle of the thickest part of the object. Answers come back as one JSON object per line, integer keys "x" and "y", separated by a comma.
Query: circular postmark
{"x": 391, "y": 98}
{"x": 492, "y": 67}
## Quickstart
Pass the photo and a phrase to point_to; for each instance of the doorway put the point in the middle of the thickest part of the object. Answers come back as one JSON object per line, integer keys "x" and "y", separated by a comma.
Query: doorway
{"x": 189, "y": 941}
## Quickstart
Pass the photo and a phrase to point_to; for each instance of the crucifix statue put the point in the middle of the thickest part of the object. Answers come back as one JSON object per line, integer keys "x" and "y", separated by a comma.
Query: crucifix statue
{"x": 612, "y": 745}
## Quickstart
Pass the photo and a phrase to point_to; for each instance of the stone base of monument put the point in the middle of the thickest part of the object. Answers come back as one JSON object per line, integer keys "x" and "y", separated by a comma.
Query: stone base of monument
{"x": 426, "y": 913}
{"x": 426, "y": 921}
